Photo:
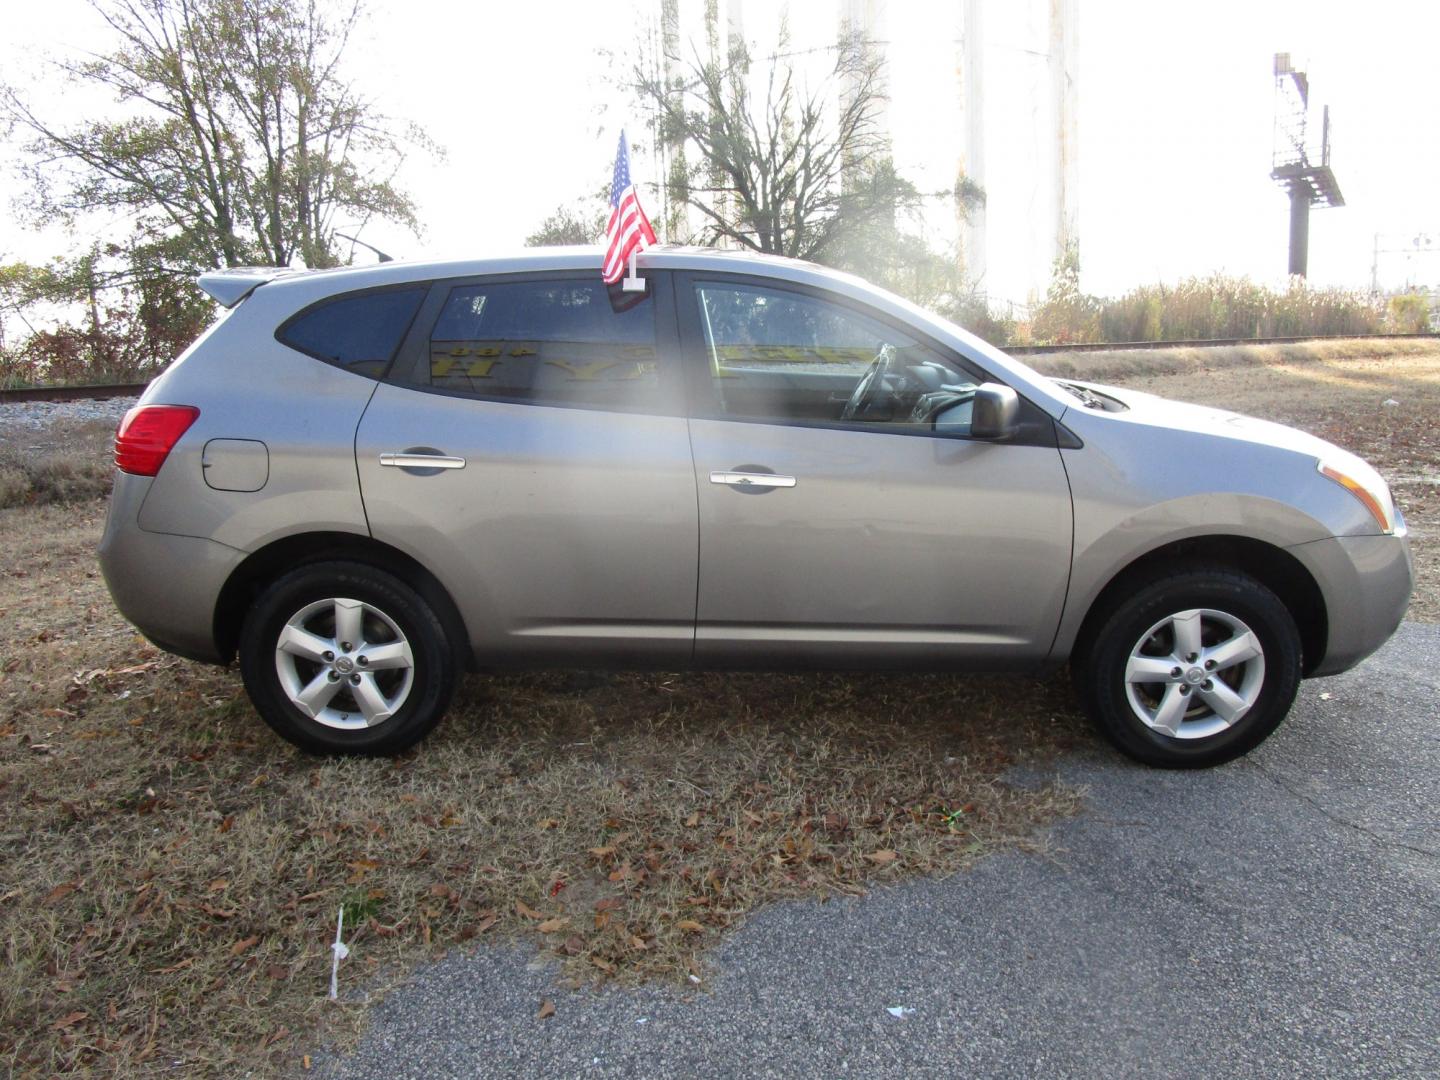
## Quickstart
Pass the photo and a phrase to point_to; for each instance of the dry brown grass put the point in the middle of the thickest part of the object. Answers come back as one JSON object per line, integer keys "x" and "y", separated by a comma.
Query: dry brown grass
{"x": 170, "y": 871}
{"x": 65, "y": 463}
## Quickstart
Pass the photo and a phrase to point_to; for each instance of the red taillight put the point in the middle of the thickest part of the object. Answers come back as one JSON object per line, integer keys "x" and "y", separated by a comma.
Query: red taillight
{"x": 148, "y": 434}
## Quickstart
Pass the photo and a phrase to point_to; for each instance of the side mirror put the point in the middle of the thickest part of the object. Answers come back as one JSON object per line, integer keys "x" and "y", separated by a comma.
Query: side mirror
{"x": 996, "y": 412}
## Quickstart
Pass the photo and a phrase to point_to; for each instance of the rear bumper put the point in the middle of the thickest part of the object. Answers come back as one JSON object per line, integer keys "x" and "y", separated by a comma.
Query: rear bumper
{"x": 1366, "y": 582}
{"x": 165, "y": 585}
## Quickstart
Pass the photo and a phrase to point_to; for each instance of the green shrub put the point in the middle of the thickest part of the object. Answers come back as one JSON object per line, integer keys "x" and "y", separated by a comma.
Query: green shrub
{"x": 1410, "y": 314}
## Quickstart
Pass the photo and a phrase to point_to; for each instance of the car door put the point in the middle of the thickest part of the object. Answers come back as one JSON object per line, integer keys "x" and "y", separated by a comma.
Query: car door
{"x": 890, "y": 536}
{"x": 530, "y": 449}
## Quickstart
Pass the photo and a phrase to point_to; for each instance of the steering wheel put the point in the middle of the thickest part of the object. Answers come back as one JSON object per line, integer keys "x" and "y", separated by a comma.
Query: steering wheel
{"x": 871, "y": 385}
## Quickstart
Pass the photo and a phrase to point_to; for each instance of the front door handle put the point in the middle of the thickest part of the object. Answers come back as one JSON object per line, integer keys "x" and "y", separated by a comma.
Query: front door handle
{"x": 752, "y": 480}
{"x": 412, "y": 460}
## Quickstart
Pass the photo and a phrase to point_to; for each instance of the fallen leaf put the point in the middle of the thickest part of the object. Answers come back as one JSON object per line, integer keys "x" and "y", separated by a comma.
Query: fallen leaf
{"x": 68, "y": 1020}
{"x": 690, "y": 926}
{"x": 227, "y": 824}
{"x": 181, "y": 966}
{"x": 547, "y": 823}
{"x": 574, "y": 945}
{"x": 59, "y": 892}
{"x": 693, "y": 820}
{"x": 219, "y": 885}
{"x": 547, "y": 1010}
{"x": 277, "y": 971}
{"x": 608, "y": 903}
{"x": 522, "y": 908}
{"x": 550, "y": 926}
{"x": 241, "y": 946}
{"x": 601, "y": 852}
{"x": 883, "y": 856}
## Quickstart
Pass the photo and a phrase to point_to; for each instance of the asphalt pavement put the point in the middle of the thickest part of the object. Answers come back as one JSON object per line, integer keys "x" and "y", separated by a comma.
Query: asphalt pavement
{"x": 1276, "y": 917}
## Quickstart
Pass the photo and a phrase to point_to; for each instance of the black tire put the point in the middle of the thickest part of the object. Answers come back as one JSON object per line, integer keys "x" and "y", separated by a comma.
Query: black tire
{"x": 393, "y": 615}
{"x": 1226, "y": 597}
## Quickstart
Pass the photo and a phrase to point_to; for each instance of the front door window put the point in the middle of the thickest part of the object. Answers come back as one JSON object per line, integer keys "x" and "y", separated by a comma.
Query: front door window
{"x": 786, "y": 356}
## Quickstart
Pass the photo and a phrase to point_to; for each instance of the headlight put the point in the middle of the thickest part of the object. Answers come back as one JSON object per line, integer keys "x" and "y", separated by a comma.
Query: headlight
{"x": 1365, "y": 484}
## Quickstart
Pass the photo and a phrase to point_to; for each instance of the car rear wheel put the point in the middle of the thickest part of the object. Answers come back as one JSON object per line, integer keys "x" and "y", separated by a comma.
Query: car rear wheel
{"x": 1192, "y": 669}
{"x": 340, "y": 657}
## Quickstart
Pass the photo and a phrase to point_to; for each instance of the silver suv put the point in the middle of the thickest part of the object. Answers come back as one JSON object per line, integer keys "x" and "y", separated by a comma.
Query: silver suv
{"x": 364, "y": 481}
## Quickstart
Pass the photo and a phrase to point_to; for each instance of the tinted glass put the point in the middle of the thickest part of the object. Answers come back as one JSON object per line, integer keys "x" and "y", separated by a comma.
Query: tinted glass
{"x": 360, "y": 333}
{"x": 547, "y": 342}
{"x": 779, "y": 355}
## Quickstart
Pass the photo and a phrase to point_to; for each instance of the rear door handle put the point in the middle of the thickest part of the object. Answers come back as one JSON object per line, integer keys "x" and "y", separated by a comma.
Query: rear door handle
{"x": 752, "y": 479}
{"x": 410, "y": 460}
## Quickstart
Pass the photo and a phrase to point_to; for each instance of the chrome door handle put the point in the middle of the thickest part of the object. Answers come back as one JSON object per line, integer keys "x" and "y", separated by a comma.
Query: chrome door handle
{"x": 752, "y": 479}
{"x": 422, "y": 461}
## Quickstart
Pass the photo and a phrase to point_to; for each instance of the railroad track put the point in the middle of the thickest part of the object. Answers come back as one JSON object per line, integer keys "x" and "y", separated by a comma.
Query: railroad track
{"x": 1209, "y": 343}
{"x": 100, "y": 392}
{"x": 97, "y": 392}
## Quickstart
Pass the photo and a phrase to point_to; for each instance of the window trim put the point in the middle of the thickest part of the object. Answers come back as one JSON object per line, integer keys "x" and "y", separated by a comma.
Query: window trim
{"x": 411, "y": 369}
{"x": 1037, "y": 428}
{"x": 324, "y": 301}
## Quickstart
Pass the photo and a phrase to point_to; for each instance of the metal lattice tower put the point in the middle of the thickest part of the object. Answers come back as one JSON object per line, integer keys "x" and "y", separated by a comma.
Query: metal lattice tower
{"x": 1292, "y": 164}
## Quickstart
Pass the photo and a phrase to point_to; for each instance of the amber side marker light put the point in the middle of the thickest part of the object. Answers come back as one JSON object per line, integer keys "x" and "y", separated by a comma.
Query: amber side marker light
{"x": 148, "y": 433}
{"x": 1383, "y": 517}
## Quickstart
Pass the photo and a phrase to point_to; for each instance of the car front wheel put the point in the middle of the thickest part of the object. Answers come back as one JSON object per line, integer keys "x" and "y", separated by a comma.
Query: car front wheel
{"x": 341, "y": 657}
{"x": 1192, "y": 669}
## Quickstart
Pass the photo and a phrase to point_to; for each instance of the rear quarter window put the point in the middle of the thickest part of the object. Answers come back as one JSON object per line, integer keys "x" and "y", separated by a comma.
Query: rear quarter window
{"x": 359, "y": 332}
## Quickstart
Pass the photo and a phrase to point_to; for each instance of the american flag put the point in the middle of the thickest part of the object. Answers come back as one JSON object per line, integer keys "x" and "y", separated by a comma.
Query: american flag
{"x": 629, "y": 229}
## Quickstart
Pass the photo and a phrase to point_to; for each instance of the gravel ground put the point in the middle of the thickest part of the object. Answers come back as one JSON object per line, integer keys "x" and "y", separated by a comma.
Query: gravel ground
{"x": 17, "y": 417}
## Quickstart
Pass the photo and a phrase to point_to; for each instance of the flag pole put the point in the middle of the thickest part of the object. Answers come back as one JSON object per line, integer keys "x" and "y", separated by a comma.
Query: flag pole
{"x": 633, "y": 282}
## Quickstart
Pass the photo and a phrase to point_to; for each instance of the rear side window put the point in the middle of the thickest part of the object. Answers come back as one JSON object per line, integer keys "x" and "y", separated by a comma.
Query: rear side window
{"x": 359, "y": 332}
{"x": 547, "y": 343}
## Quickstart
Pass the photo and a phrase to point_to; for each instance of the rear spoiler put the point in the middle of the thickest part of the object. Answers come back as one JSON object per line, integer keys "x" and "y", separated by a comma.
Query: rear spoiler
{"x": 229, "y": 287}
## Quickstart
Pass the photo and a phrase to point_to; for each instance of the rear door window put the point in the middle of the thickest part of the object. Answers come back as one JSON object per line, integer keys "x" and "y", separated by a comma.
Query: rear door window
{"x": 568, "y": 342}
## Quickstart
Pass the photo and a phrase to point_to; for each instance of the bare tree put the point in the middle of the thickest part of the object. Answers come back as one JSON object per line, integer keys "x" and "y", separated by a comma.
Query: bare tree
{"x": 786, "y": 173}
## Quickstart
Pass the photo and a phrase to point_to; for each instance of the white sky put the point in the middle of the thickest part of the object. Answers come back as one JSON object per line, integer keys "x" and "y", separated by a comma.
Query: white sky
{"x": 1175, "y": 112}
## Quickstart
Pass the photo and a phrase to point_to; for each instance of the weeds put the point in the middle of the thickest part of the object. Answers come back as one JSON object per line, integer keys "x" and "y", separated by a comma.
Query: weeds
{"x": 71, "y": 463}
{"x": 1208, "y": 308}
